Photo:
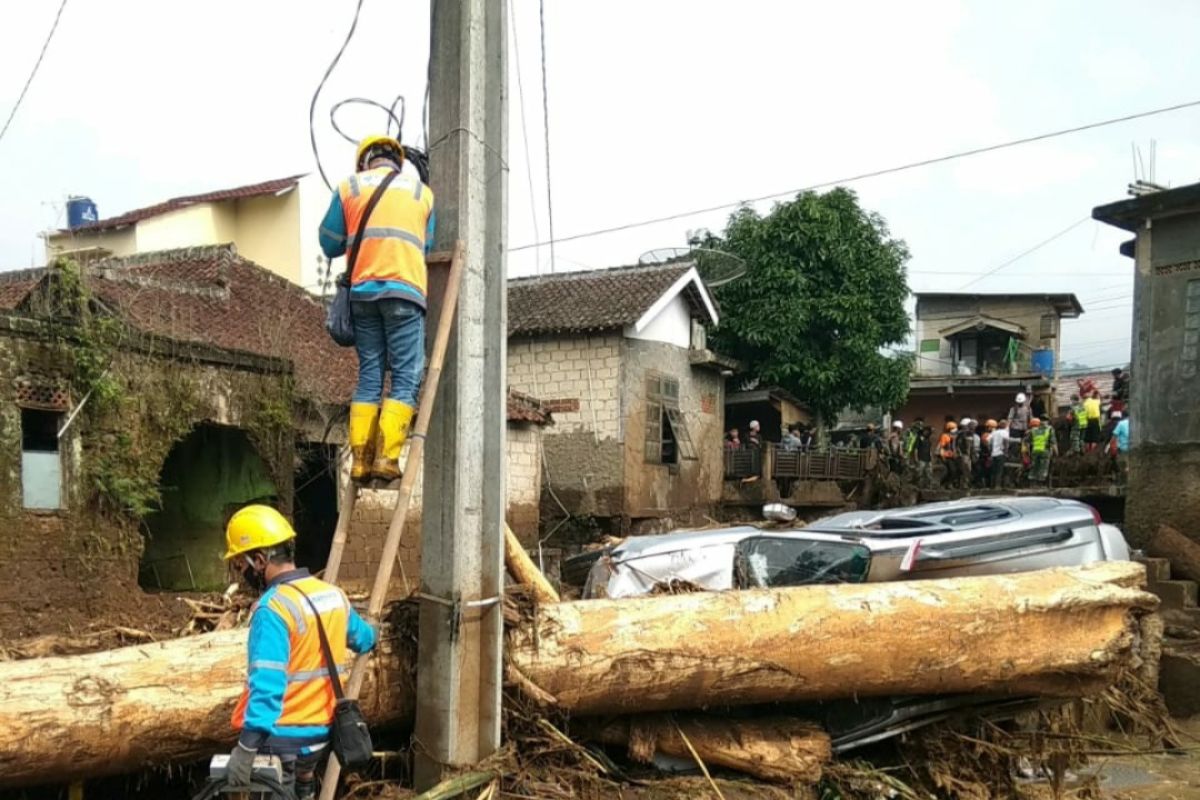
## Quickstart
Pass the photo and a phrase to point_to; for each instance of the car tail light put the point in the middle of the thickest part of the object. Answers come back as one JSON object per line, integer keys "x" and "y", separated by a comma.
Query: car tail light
{"x": 1095, "y": 515}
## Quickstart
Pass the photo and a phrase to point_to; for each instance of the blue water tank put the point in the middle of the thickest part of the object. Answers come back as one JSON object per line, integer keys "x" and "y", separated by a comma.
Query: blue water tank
{"x": 80, "y": 211}
{"x": 1043, "y": 361}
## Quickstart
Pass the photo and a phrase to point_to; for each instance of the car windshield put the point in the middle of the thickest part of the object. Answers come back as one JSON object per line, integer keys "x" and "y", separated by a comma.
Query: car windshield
{"x": 770, "y": 561}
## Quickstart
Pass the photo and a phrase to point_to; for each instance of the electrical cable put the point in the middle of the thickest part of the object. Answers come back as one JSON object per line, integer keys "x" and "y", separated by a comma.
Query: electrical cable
{"x": 546, "y": 129}
{"x": 873, "y": 174}
{"x": 34, "y": 71}
{"x": 512, "y": 24}
{"x": 312, "y": 106}
{"x": 1024, "y": 253}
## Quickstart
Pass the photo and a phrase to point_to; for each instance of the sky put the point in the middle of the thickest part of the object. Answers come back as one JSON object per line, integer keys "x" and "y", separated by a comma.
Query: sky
{"x": 655, "y": 108}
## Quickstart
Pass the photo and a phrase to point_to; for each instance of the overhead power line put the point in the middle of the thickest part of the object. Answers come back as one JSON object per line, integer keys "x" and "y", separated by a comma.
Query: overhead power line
{"x": 546, "y": 128}
{"x": 864, "y": 175}
{"x": 34, "y": 71}
{"x": 512, "y": 16}
{"x": 1024, "y": 253}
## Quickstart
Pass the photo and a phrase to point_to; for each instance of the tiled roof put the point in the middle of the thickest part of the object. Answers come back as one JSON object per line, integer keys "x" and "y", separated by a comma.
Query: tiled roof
{"x": 175, "y": 203}
{"x": 210, "y": 295}
{"x": 1068, "y": 384}
{"x": 16, "y": 285}
{"x": 578, "y": 302}
{"x": 523, "y": 408}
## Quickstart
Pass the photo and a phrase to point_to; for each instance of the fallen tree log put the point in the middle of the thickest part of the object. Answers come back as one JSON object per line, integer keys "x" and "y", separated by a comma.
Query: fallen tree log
{"x": 1184, "y": 553}
{"x": 119, "y": 711}
{"x": 777, "y": 749}
{"x": 1062, "y": 633}
{"x": 523, "y": 570}
{"x": 1058, "y": 632}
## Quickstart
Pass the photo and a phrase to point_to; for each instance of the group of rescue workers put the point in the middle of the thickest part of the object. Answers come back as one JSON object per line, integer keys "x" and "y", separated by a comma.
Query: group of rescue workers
{"x": 287, "y": 706}
{"x": 1016, "y": 449}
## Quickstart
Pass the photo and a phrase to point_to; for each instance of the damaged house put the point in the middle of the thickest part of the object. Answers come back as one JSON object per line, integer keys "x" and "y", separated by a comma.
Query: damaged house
{"x": 145, "y": 399}
{"x": 619, "y": 357}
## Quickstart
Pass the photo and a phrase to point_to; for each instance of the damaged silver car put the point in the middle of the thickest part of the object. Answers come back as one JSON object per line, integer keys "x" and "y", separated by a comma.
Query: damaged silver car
{"x": 977, "y": 536}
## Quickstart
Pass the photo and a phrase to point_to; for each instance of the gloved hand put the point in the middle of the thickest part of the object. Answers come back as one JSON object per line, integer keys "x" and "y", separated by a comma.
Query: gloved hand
{"x": 241, "y": 766}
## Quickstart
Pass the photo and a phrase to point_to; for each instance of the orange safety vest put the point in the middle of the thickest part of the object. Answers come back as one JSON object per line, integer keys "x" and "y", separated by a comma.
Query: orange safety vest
{"x": 308, "y": 700}
{"x": 393, "y": 247}
{"x": 946, "y": 446}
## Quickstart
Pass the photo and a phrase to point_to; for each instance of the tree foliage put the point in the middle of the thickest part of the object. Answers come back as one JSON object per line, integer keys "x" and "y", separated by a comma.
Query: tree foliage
{"x": 823, "y": 294}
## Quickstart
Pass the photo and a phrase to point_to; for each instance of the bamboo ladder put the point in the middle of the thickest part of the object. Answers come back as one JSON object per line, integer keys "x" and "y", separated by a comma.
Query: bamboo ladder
{"x": 412, "y": 468}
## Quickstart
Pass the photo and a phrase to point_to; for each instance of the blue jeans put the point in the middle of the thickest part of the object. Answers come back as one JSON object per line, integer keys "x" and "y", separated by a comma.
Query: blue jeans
{"x": 388, "y": 333}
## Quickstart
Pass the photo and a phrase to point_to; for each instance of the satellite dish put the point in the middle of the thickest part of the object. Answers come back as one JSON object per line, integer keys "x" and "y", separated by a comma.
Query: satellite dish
{"x": 716, "y": 267}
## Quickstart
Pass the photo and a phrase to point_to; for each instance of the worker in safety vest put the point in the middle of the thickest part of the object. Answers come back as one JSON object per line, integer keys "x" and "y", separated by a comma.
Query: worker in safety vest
{"x": 287, "y": 705}
{"x": 1079, "y": 423}
{"x": 1040, "y": 446}
{"x": 387, "y": 299}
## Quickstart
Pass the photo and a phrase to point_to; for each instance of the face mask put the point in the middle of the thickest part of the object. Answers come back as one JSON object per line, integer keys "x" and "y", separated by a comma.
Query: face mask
{"x": 253, "y": 579}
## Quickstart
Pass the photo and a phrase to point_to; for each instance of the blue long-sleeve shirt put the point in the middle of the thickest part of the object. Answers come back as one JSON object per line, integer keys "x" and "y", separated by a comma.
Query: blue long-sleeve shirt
{"x": 269, "y": 649}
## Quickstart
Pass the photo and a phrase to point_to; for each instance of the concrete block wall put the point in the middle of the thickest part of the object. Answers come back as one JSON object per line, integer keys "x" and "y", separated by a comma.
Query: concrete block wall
{"x": 524, "y": 480}
{"x": 578, "y": 376}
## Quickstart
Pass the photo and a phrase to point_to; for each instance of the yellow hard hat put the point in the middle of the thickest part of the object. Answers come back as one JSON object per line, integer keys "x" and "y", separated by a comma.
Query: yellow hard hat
{"x": 255, "y": 527}
{"x": 378, "y": 140}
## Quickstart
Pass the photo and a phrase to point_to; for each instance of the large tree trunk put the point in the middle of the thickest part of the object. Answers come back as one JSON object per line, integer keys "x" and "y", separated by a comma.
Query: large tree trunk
{"x": 1183, "y": 552}
{"x": 772, "y": 748}
{"x": 118, "y": 711}
{"x": 1064, "y": 632}
{"x": 1059, "y": 632}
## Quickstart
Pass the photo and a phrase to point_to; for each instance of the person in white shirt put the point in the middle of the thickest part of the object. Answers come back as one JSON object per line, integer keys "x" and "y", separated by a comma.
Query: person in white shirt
{"x": 998, "y": 442}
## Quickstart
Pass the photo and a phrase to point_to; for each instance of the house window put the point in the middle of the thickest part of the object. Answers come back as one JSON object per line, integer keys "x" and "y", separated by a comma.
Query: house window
{"x": 41, "y": 464}
{"x": 667, "y": 437}
{"x": 1189, "y": 355}
{"x": 1048, "y": 326}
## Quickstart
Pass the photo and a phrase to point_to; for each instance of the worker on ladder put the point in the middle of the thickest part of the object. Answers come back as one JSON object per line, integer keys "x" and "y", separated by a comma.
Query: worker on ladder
{"x": 287, "y": 705}
{"x": 387, "y": 273}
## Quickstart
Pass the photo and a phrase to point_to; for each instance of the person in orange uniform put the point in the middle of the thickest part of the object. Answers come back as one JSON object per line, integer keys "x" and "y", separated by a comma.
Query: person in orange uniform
{"x": 387, "y": 298}
{"x": 948, "y": 455}
{"x": 287, "y": 705}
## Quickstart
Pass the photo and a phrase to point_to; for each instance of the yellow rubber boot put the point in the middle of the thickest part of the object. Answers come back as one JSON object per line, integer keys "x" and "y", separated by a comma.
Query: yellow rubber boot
{"x": 394, "y": 420}
{"x": 363, "y": 418}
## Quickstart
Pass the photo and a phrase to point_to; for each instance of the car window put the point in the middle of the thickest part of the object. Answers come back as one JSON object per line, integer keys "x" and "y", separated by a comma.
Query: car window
{"x": 766, "y": 561}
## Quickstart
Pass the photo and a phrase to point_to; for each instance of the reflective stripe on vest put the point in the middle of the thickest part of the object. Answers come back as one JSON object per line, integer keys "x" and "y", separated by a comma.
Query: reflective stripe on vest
{"x": 308, "y": 700}
{"x": 1040, "y": 437}
{"x": 393, "y": 244}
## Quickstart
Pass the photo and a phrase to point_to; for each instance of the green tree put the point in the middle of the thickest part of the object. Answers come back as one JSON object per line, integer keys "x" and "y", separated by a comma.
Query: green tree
{"x": 822, "y": 295}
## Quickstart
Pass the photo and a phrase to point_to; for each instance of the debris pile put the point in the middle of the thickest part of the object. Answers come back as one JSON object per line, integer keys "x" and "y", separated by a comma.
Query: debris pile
{"x": 710, "y": 678}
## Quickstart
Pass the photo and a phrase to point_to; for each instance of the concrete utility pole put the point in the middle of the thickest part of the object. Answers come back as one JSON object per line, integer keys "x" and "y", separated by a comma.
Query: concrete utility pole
{"x": 460, "y": 656}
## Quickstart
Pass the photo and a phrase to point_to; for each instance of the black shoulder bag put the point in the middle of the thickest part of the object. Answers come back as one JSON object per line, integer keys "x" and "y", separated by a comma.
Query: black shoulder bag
{"x": 348, "y": 734}
{"x": 339, "y": 320}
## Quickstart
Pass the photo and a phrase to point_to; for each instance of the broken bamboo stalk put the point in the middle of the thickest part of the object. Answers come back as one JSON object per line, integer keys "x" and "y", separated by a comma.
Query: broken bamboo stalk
{"x": 779, "y": 749}
{"x": 524, "y": 571}
{"x": 1061, "y": 633}
{"x": 412, "y": 468}
{"x": 146, "y": 705}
